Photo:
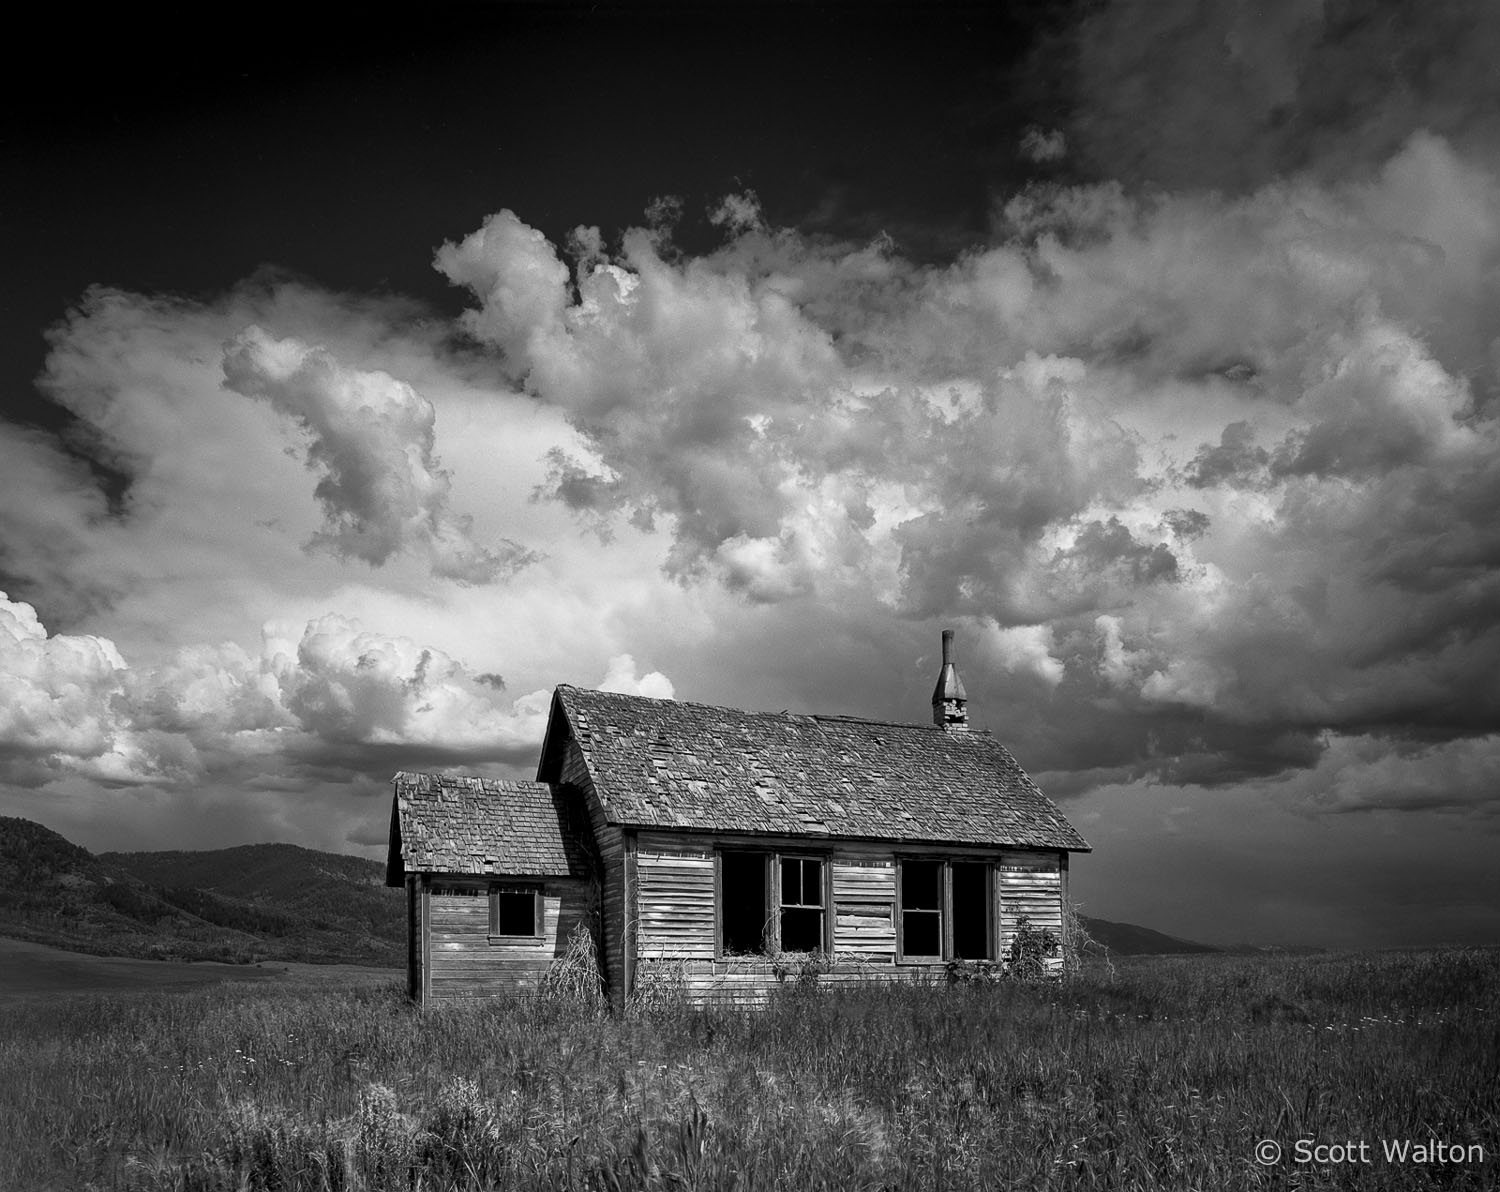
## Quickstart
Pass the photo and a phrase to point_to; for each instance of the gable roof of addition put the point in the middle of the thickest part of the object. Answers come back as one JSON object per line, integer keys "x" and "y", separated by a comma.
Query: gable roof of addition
{"x": 675, "y": 765}
{"x": 447, "y": 823}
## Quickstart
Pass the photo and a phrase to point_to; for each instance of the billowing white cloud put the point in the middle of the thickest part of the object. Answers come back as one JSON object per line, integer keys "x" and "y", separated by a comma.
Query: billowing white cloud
{"x": 1181, "y": 451}
{"x": 72, "y": 705}
{"x": 58, "y": 691}
{"x": 621, "y": 678}
{"x": 344, "y": 684}
{"x": 1026, "y": 649}
{"x": 371, "y": 440}
{"x": 521, "y": 283}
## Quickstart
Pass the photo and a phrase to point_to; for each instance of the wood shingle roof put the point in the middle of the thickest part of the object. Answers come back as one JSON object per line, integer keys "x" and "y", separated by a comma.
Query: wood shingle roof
{"x": 671, "y": 764}
{"x": 444, "y": 823}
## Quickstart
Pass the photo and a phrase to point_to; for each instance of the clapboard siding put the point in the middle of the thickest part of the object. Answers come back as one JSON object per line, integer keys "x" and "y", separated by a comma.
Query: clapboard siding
{"x": 609, "y": 848}
{"x": 864, "y": 900}
{"x": 675, "y": 914}
{"x": 462, "y": 958}
{"x": 1029, "y": 885}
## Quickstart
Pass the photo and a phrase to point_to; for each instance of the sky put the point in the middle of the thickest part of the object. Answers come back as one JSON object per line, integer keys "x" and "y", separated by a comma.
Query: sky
{"x": 361, "y": 384}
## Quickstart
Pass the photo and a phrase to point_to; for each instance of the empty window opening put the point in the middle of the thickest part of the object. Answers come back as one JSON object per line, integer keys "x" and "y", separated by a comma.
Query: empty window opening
{"x": 742, "y": 878}
{"x": 971, "y": 920}
{"x": 801, "y": 904}
{"x": 513, "y": 912}
{"x": 921, "y": 908}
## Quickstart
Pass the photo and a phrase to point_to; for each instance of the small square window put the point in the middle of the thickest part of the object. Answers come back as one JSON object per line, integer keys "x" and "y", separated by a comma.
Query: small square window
{"x": 513, "y": 911}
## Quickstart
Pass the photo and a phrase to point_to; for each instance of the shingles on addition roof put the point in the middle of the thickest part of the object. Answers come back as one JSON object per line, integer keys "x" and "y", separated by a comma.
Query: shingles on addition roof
{"x": 444, "y": 823}
{"x": 670, "y": 764}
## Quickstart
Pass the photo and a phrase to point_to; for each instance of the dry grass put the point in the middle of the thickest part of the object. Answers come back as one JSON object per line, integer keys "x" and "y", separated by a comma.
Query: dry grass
{"x": 1159, "y": 1075}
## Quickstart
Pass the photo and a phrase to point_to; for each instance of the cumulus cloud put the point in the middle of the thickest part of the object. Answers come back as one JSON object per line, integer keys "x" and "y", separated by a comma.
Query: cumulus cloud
{"x": 1027, "y": 649}
{"x": 1186, "y": 452}
{"x": 73, "y": 705}
{"x": 621, "y": 678}
{"x": 371, "y": 440}
{"x": 59, "y": 697}
{"x": 714, "y": 397}
{"x": 519, "y": 280}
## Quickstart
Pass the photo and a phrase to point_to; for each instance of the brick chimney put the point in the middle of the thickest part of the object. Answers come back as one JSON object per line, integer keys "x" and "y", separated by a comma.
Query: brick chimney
{"x": 949, "y": 700}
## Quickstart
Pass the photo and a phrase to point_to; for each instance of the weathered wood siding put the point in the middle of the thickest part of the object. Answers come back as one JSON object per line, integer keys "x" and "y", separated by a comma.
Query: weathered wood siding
{"x": 609, "y": 844}
{"x": 674, "y": 922}
{"x": 1031, "y": 885}
{"x": 465, "y": 961}
{"x": 864, "y": 901}
{"x": 675, "y": 910}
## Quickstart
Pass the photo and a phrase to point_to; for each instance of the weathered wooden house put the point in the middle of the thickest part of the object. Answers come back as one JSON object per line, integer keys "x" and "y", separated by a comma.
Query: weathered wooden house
{"x": 721, "y": 849}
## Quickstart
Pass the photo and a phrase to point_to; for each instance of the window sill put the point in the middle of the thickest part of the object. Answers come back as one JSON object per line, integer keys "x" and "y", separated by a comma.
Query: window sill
{"x": 521, "y": 940}
{"x": 920, "y": 960}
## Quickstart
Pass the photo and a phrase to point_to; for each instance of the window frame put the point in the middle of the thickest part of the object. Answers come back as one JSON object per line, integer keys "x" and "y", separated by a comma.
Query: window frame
{"x": 781, "y": 905}
{"x": 772, "y": 859}
{"x": 769, "y": 872}
{"x": 991, "y": 910}
{"x": 945, "y": 866}
{"x": 538, "y": 913}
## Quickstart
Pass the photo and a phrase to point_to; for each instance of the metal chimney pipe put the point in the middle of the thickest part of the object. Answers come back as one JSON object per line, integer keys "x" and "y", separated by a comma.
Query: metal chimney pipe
{"x": 949, "y": 699}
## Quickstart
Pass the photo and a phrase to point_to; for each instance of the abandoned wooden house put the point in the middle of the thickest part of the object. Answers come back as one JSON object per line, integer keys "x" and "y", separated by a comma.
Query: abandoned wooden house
{"x": 722, "y": 849}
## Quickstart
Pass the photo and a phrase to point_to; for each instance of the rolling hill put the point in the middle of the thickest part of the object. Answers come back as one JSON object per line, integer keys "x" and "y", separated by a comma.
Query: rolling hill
{"x": 1126, "y": 939}
{"x": 259, "y": 902}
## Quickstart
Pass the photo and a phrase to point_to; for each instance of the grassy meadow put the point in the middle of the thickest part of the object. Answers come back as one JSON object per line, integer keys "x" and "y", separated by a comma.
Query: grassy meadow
{"x": 1154, "y": 1074}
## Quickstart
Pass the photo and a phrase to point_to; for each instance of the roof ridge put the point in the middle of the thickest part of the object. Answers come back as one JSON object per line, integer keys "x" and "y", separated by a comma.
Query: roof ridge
{"x": 467, "y": 780}
{"x": 926, "y": 728}
{"x": 688, "y": 703}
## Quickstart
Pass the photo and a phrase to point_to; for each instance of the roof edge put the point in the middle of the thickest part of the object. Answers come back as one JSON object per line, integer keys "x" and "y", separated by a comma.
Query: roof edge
{"x": 895, "y": 842}
{"x": 395, "y": 858}
{"x": 549, "y": 762}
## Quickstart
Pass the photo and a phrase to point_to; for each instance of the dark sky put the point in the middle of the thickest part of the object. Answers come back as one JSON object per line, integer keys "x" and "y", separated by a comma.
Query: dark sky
{"x": 342, "y": 150}
{"x": 364, "y": 378}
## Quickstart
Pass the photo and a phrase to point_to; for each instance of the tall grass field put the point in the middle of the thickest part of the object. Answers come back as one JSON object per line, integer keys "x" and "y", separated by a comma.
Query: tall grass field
{"x": 1182, "y": 1073}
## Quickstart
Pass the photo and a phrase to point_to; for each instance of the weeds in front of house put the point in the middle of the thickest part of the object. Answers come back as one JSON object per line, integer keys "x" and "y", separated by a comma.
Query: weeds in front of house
{"x": 1163, "y": 1075}
{"x": 575, "y": 978}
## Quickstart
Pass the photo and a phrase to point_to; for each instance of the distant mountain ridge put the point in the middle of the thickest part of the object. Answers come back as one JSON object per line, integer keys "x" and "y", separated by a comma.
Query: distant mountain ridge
{"x": 255, "y": 902}
{"x": 245, "y": 904}
{"x": 1126, "y": 939}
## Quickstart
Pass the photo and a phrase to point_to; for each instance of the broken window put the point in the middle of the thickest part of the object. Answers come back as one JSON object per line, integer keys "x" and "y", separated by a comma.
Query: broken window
{"x": 755, "y": 911}
{"x": 922, "y": 909}
{"x": 801, "y": 904}
{"x": 970, "y": 885}
{"x": 742, "y": 902}
{"x": 945, "y": 910}
{"x": 515, "y": 910}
